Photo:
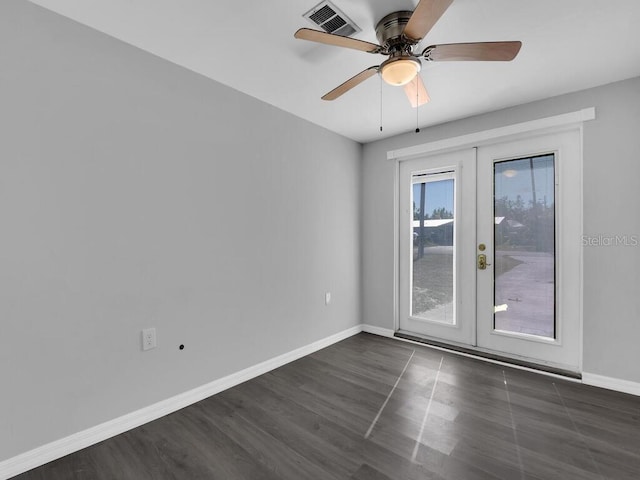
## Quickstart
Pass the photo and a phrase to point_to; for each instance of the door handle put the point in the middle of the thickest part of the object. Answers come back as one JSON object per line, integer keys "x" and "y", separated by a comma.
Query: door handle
{"x": 482, "y": 262}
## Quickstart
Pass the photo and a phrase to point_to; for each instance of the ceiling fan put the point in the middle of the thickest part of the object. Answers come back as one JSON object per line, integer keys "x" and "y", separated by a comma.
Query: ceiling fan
{"x": 398, "y": 34}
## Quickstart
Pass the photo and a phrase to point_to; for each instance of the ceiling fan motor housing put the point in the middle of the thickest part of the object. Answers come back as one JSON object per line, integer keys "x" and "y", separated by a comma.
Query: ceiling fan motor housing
{"x": 390, "y": 31}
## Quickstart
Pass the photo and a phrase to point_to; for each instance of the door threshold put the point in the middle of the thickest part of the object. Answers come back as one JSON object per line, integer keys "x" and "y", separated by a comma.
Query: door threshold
{"x": 488, "y": 355}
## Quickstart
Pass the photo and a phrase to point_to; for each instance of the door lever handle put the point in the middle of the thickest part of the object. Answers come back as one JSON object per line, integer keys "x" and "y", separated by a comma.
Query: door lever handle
{"x": 482, "y": 262}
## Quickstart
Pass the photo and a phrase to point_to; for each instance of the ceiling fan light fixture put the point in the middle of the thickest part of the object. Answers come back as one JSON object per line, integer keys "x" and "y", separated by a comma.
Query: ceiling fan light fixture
{"x": 399, "y": 71}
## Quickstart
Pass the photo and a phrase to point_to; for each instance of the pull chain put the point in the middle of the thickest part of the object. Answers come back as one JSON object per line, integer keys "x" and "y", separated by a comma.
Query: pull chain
{"x": 380, "y": 102}
{"x": 417, "y": 106}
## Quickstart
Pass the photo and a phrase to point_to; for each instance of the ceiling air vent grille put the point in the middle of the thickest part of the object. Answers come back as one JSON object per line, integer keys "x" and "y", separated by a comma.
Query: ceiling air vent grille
{"x": 330, "y": 19}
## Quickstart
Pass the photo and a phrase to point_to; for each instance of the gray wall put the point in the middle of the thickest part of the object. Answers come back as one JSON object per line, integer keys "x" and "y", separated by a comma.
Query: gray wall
{"x": 611, "y": 203}
{"x": 134, "y": 193}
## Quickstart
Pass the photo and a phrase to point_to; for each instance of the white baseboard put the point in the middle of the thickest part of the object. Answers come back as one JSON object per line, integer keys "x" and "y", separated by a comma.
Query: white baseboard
{"x": 383, "y": 332}
{"x": 59, "y": 448}
{"x": 611, "y": 383}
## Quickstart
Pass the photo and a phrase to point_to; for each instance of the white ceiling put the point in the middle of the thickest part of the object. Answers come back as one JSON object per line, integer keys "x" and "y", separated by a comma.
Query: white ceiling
{"x": 568, "y": 45}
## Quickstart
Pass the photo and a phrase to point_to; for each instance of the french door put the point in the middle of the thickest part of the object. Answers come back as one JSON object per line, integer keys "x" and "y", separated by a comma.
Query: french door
{"x": 490, "y": 248}
{"x": 437, "y": 267}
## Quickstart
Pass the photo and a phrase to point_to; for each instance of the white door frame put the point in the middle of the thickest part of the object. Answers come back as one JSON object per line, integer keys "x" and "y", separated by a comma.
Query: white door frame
{"x": 554, "y": 124}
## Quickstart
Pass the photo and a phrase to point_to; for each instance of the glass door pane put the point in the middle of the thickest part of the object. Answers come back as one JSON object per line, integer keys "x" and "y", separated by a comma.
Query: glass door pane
{"x": 524, "y": 246}
{"x": 434, "y": 262}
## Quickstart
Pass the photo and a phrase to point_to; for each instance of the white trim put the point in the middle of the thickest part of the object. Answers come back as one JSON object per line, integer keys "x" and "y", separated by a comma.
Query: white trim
{"x": 611, "y": 383}
{"x": 64, "y": 446}
{"x": 479, "y": 138}
{"x": 396, "y": 246}
{"x": 382, "y": 332}
{"x": 581, "y": 259}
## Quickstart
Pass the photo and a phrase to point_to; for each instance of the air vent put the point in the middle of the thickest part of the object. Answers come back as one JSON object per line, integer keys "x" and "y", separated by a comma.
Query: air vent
{"x": 330, "y": 19}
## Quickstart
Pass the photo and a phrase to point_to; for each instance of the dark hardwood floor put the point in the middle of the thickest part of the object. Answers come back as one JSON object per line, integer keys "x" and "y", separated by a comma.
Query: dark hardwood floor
{"x": 372, "y": 408}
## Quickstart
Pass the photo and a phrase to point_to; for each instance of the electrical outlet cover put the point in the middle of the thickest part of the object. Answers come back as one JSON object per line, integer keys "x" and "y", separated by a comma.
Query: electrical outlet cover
{"x": 148, "y": 338}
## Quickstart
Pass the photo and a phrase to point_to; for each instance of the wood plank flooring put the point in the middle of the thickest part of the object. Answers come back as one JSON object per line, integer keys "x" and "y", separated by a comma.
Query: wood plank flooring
{"x": 372, "y": 408}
